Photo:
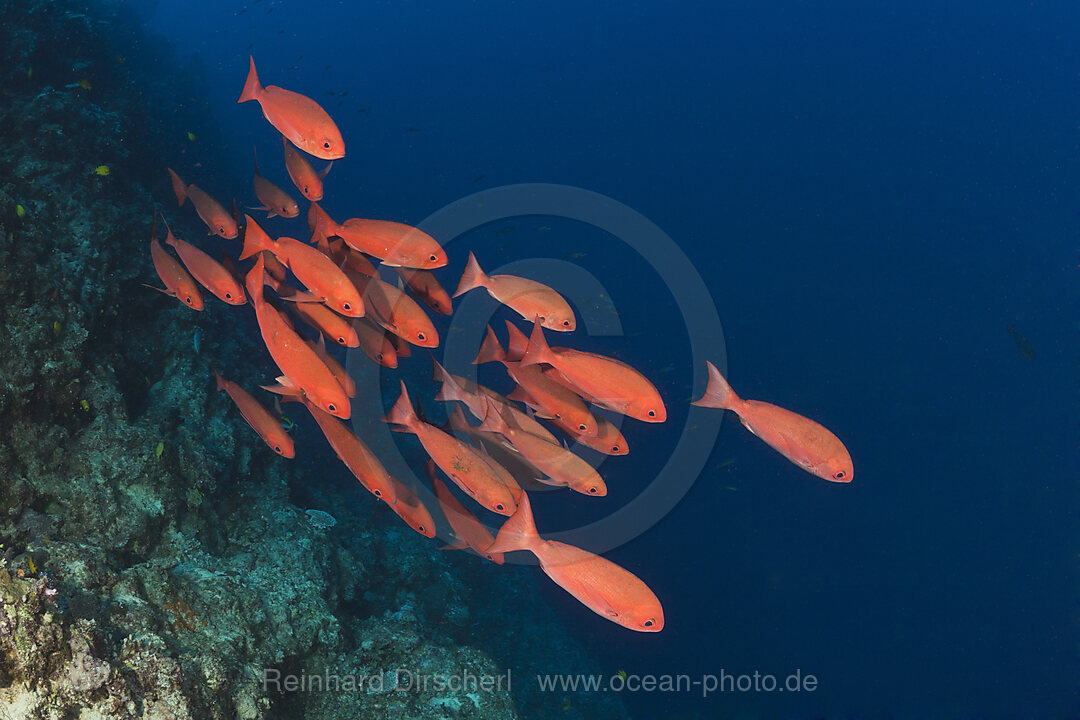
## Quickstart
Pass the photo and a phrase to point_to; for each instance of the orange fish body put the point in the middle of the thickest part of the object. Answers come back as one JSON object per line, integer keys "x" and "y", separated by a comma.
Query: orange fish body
{"x": 427, "y": 288}
{"x": 472, "y": 472}
{"x": 211, "y": 274}
{"x": 528, "y": 298}
{"x": 296, "y": 360}
{"x": 328, "y": 323}
{"x": 342, "y": 375}
{"x": 396, "y": 311}
{"x": 275, "y": 201}
{"x": 600, "y": 585}
{"x": 409, "y": 508}
{"x": 318, "y": 273}
{"x": 557, "y": 400}
{"x": 608, "y": 440}
{"x": 801, "y": 440}
{"x": 469, "y": 531}
{"x": 501, "y": 452}
{"x": 179, "y": 282}
{"x": 217, "y": 218}
{"x": 295, "y": 116}
{"x": 555, "y": 461}
{"x": 259, "y": 418}
{"x": 352, "y": 451}
{"x": 606, "y": 381}
{"x": 375, "y": 343}
{"x": 304, "y": 177}
{"x": 394, "y": 243}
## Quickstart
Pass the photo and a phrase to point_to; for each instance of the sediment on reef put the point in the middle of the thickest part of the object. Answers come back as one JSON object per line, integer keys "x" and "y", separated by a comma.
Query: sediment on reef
{"x": 154, "y": 559}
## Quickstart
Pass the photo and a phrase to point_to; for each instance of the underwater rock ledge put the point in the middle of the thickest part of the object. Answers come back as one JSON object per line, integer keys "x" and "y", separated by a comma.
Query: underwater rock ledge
{"x": 152, "y": 560}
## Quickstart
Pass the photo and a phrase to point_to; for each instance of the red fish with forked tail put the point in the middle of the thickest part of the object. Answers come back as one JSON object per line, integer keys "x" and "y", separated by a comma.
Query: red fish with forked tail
{"x": 600, "y": 585}
{"x": 178, "y": 281}
{"x": 799, "y": 439}
{"x": 217, "y": 218}
{"x": 295, "y": 116}
{"x": 275, "y": 201}
{"x": 469, "y": 531}
{"x": 258, "y": 417}
{"x": 211, "y": 274}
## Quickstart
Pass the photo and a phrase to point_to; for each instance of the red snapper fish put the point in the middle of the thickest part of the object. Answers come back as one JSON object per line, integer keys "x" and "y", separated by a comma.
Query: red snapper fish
{"x": 469, "y": 531}
{"x": 178, "y": 282}
{"x": 295, "y": 116}
{"x": 528, "y": 298}
{"x": 396, "y": 244}
{"x": 607, "y": 589}
{"x": 304, "y": 177}
{"x": 275, "y": 201}
{"x": 217, "y": 218}
{"x": 409, "y": 508}
{"x": 258, "y": 417}
{"x": 211, "y": 274}
{"x": 799, "y": 439}
{"x": 296, "y": 360}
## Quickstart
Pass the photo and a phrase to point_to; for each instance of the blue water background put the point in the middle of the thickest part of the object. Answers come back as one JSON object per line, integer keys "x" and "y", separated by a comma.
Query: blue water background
{"x": 874, "y": 193}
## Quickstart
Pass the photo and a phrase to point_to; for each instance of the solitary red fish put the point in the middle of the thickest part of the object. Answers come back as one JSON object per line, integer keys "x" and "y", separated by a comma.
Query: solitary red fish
{"x": 211, "y": 274}
{"x": 600, "y": 585}
{"x": 295, "y": 116}
{"x": 528, "y": 298}
{"x": 799, "y": 439}
{"x": 275, "y": 201}
{"x": 304, "y": 177}
{"x": 213, "y": 213}
{"x": 258, "y": 417}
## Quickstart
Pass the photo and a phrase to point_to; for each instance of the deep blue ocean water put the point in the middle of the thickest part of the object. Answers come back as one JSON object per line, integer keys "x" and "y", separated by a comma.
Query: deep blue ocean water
{"x": 873, "y": 194}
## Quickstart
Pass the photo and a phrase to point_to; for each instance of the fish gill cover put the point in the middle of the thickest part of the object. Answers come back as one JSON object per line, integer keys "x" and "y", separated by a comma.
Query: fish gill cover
{"x": 153, "y": 562}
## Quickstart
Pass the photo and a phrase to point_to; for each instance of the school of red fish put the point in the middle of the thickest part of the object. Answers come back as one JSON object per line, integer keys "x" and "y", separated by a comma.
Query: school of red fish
{"x": 344, "y": 300}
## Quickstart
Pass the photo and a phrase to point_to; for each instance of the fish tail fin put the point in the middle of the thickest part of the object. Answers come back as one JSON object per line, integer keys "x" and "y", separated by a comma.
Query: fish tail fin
{"x": 402, "y": 413}
{"x": 517, "y": 343}
{"x": 457, "y": 420}
{"x": 520, "y": 394}
{"x": 473, "y": 277}
{"x": 255, "y": 239}
{"x": 325, "y": 170}
{"x": 318, "y": 220}
{"x": 178, "y": 187}
{"x": 254, "y": 282}
{"x": 518, "y": 532}
{"x": 718, "y": 394}
{"x": 490, "y": 349}
{"x": 252, "y": 89}
{"x": 219, "y": 380}
{"x": 493, "y": 421}
{"x": 450, "y": 390}
{"x": 538, "y": 350}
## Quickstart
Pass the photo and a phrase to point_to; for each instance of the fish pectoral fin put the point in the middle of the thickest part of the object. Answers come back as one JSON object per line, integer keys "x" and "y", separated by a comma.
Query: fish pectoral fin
{"x": 170, "y": 293}
{"x": 796, "y": 453}
{"x": 455, "y": 545}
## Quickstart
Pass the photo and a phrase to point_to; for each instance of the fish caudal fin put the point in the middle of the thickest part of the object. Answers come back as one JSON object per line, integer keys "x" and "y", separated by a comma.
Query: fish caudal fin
{"x": 450, "y": 390}
{"x": 252, "y": 88}
{"x": 255, "y": 239}
{"x": 718, "y": 394}
{"x": 518, "y": 532}
{"x": 178, "y": 187}
{"x": 516, "y": 343}
{"x": 220, "y": 380}
{"x": 493, "y": 421}
{"x": 473, "y": 277}
{"x": 402, "y": 413}
{"x": 490, "y": 349}
{"x": 538, "y": 350}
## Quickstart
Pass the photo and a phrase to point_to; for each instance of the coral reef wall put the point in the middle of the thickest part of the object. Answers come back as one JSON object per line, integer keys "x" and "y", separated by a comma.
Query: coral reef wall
{"x": 154, "y": 562}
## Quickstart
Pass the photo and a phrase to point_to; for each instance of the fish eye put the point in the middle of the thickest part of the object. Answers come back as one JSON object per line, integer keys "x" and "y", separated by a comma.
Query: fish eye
{"x": 326, "y": 144}
{"x": 566, "y": 323}
{"x": 187, "y": 300}
{"x": 277, "y": 448}
{"x": 433, "y": 258}
{"x": 305, "y": 189}
{"x": 378, "y": 493}
{"x": 499, "y": 507}
{"x": 331, "y": 407}
{"x": 379, "y": 357}
{"x": 839, "y": 475}
{"x": 341, "y": 340}
{"x": 558, "y": 416}
{"x": 347, "y": 306}
{"x": 420, "y": 528}
{"x": 592, "y": 491}
{"x": 228, "y": 296}
{"x": 582, "y": 427}
{"x": 614, "y": 448}
{"x": 648, "y": 623}
{"x": 652, "y": 413}
{"x": 420, "y": 336}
